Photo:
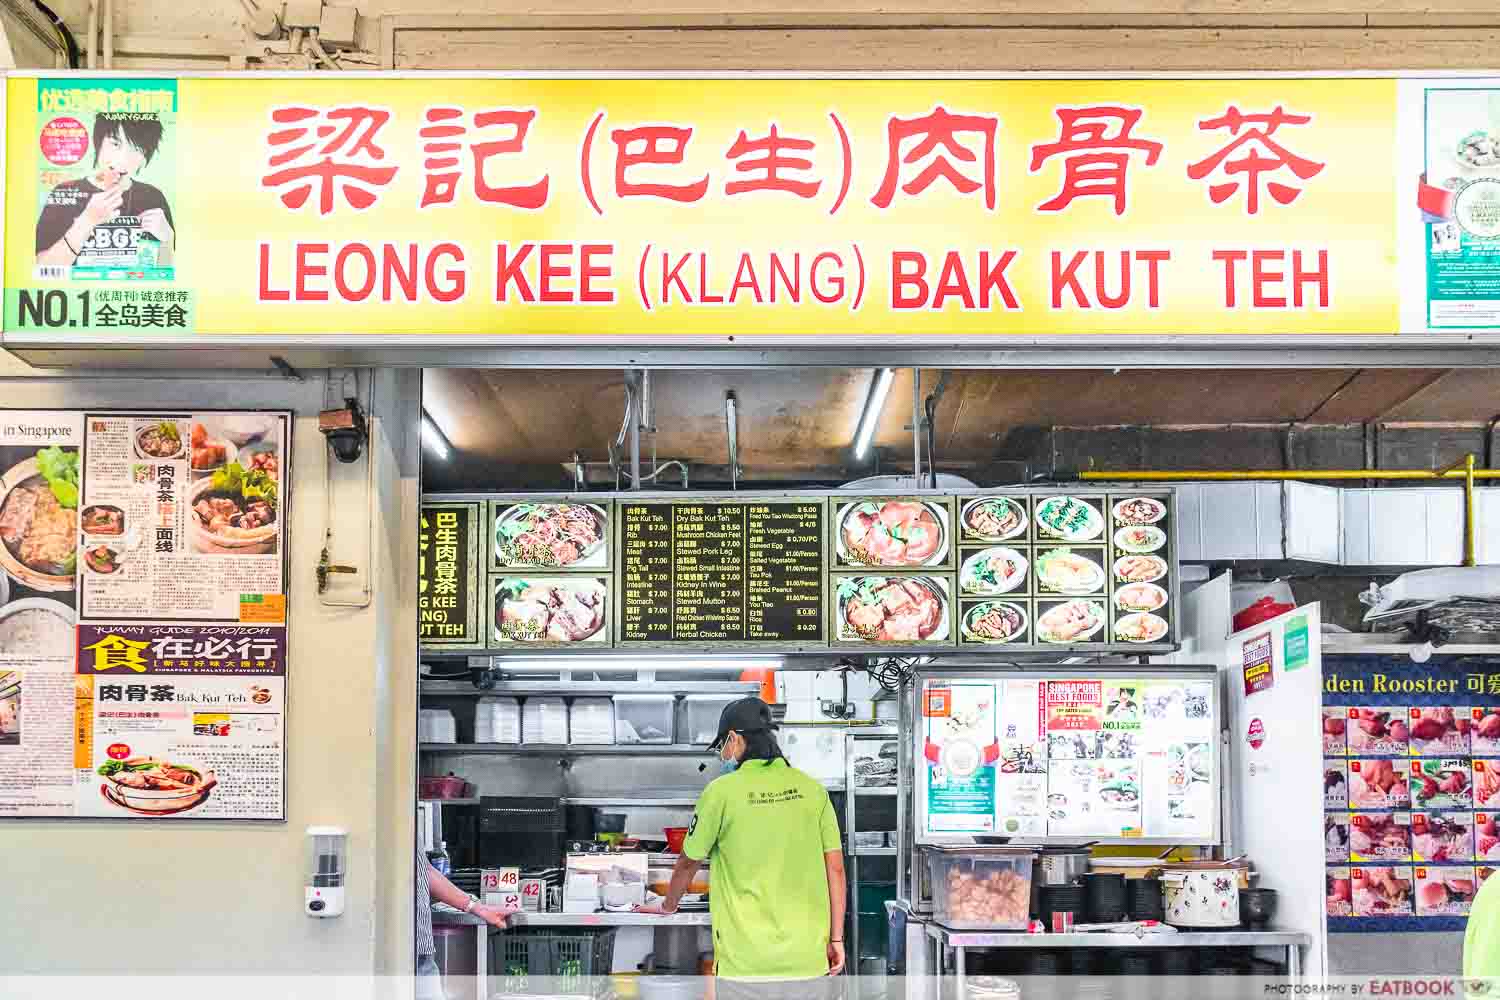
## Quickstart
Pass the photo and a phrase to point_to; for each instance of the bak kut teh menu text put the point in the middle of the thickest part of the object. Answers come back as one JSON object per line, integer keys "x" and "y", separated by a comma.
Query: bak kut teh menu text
{"x": 143, "y": 614}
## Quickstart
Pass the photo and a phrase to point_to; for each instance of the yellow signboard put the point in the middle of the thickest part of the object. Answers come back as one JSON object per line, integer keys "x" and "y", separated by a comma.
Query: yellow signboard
{"x": 673, "y": 208}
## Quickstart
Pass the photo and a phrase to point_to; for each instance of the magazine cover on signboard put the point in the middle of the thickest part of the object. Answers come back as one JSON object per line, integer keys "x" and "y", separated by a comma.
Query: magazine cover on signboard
{"x": 106, "y": 178}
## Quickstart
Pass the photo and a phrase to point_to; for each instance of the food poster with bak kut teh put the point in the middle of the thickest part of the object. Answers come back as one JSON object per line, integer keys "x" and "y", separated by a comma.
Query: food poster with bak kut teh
{"x": 163, "y": 736}
{"x": 141, "y": 545}
{"x": 960, "y": 751}
{"x": 106, "y": 164}
{"x": 181, "y": 517}
{"x": 1074, "y": 717}
{"x": 1022, "y": 793}
{"x": 448, "y": 575}
{"x": 1423, "y": 786}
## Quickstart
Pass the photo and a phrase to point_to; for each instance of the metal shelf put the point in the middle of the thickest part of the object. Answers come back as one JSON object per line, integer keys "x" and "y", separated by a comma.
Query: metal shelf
{"x": 567, "y": 750}
{"x": 634, "y": 801}
{"x": 874, "y": 852}
{"x": 887, "y": 793}
{"x": 1204, "y": 939}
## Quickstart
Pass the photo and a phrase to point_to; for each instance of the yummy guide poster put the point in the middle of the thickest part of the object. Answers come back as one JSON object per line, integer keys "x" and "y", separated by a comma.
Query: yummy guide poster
{"x": 143, "y": 640}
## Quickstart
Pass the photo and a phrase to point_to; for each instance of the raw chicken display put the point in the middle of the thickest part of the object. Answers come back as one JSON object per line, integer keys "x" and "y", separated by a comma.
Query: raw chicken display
{"x": 892, "y": 533}
{"x": 551, "y": 611}
{"x": 1439, "y": 730}
{"x": 1381, "y": 891}
{"x": 1448, "y": 837}
{"x": 1375, "y": 784}
{"x": 1378, "y": 836}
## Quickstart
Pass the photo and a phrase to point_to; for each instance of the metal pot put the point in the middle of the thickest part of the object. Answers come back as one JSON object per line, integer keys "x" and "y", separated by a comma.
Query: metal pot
{"x": 1062, "y": 865}
{"x": 1202, "y": 893}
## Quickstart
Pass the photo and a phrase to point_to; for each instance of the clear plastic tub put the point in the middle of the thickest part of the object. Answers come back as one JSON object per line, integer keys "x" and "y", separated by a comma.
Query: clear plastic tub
{"x": 981, "y": 887}
{"x": 644, "y": 718}
{"x": 699, "y": 724}
{"x": 592, "y": 720}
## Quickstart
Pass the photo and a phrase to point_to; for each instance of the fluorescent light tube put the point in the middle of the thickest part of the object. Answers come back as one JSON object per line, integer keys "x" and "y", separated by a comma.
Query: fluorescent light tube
{"x": 874, "y": 403}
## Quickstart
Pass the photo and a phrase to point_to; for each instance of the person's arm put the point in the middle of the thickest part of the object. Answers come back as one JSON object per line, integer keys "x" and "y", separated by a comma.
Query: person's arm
{"x": 838, "y": 889}
{"x": 445, "y": 891}
{"x": 101, "y": 206}
{"x": 838, "y": 901}
{"x": 682, "y": 877}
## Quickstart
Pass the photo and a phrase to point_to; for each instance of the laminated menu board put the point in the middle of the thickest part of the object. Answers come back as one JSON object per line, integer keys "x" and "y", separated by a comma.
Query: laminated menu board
{"x": 143, "y": 624}
{"x": 449, "y": 547}
{"x": 1418, "y": 833}
{"x": 1054, "y": 569}
{"x": 1126, "y": 758}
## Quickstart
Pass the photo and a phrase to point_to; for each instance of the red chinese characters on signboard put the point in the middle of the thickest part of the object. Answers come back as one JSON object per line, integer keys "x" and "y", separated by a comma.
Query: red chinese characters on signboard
{"x": 937, "y": 134}
{"x": 1260, "y": 155}
{"x": 332, "y": 150}
{"x": 1095, "y": 144}
{"x": 443, "y": 127}
{"x": 654, "y": 145}
{"x": 766, "y": 158}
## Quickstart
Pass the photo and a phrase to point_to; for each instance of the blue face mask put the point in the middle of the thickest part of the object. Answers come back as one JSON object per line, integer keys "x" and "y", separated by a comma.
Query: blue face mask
{"x": 727, "y": 766}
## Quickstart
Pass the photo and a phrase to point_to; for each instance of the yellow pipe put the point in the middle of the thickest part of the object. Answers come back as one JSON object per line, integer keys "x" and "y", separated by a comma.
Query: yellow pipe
{"x": 1462, "y": 469}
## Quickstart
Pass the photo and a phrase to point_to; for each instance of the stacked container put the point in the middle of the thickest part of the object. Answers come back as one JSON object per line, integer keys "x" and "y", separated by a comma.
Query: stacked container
{"x": 699, "y": 724}
{"x": 644, "y": 718}
{"x": 592, "y": 720}
{"x": 497, "y": 720}
{"x": 545, "y": 720}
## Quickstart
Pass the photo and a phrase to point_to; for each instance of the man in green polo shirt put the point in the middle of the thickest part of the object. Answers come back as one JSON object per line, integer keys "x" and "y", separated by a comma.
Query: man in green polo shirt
{"x": 1482, "y": 941}
{"x": 772, "y": 839}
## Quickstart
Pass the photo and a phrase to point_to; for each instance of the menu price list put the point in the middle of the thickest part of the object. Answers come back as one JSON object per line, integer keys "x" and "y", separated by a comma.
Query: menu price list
{"x": 710, "y": 572}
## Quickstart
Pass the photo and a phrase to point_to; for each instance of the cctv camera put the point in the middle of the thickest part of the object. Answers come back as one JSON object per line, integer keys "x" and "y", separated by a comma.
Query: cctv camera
{"x": 345, "y": 430}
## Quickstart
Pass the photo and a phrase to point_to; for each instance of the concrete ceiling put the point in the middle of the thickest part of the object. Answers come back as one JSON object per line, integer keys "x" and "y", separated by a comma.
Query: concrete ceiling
{"x": 798, "y": 423}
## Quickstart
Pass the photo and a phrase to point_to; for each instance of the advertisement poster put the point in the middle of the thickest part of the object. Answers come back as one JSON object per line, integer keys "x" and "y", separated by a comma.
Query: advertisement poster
{"x": 448, "y": 560}
{"x": 961, "y": 748}
{"x": 143, "y": 639}
{"x": 1078, "y": 758}
{"x": 1423, "y": 779}
{"x": 106, "y": 177}
{"x": 1459, "y": 197}
{"x": 1258, "y": 661}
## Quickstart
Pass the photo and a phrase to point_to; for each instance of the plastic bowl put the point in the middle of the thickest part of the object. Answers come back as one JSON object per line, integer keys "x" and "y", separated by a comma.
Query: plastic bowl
{"x": 676, "y": 835}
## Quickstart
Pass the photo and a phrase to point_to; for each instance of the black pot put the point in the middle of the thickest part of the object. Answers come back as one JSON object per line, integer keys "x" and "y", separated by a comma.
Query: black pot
{"x": 1144, "y": 898}
{"x": 1104, "y": 898}
{"x": 1257, "y": 906}
{"x": 1061, "y": 899}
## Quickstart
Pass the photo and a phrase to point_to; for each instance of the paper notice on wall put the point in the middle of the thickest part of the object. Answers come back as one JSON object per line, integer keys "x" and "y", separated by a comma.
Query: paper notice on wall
{"x": 36, "y": 752}
{"x": 1023, "y": 741}
{"x": 961, "y": 750}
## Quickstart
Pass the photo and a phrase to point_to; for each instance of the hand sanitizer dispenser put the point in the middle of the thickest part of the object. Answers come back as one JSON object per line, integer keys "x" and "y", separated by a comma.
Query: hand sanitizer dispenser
{"x": 329, "y": 850}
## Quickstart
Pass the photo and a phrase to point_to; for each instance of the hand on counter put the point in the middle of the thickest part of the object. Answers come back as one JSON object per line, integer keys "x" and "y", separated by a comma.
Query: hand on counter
{"x": 655, "y": 910}
{"x": 493, "y": 915}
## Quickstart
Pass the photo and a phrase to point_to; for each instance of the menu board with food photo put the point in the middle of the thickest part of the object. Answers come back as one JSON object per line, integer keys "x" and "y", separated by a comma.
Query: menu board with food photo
{"x": 448, "y": 575}
{"x": 990, "y": 519}
{"x": 550, "y": 534}
{"x": 1115, "y": 758}
{"x": 1424, "y": 779}
{"x": 906, "y": 533}
{"x": 892, "y": 610}
{"x": 1140, "y": 530}
{"x": 143, "y": 592}
{"x": 1382, "y": 891}
{"x": 1335, "y": 784}
{"x": 549, "y": 610}
{"x": 1335, "y": 731}
{"x": 1336, "y": 837}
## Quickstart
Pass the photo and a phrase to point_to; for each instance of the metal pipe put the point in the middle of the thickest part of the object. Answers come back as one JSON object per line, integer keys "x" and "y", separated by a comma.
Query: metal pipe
{"x": 93, "y": 31}
{"x": 580, "y": 483}
{"x": 648, "y": 411}
{"x": 633, "y": 418}
{"x": 1471, "y": 532}
{"x": 109, "y": 34}
{"x": 732, "y": 429}
{"x": 916, "y": 428}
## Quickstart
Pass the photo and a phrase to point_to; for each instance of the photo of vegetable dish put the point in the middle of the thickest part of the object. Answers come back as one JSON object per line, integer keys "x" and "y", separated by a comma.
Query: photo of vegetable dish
{"x": 39, "y": 519}
{"x": 101, "y": 519}
{"x": 101, "y": 559}
{"x": 891, "y": 533}
{"x": 1139, "y": 510}
{"x": 550, "y": 535}
{"x": 235, "y": 512}
{"x": 1073, "y": 621}
{"x": 1069, "y": 519}
{"x": 1062, "y": 571}
{"x": 159, "y": 440}
{"x": 997, "y": 570}
{"x": 994, "y": 519}
{"x": 994, "y": 622}
{"x": 891, "y": 609}
{"x": 549, "y": 610}
{"x": 1140, "y": 569}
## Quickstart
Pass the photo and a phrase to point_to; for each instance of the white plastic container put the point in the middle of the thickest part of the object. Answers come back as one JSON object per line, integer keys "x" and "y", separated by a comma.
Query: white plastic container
{"x": 592, "y": 720}
{"x": 699, "y": 724}
{"x": 545, "y": 721}
{"x": 644, "y": 718}
{"x": 497, "y": 720}
{"x": 437, "y": 725}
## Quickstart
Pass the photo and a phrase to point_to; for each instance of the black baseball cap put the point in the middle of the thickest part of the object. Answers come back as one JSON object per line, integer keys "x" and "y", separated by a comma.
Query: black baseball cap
{"x": 748, "y": 715}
